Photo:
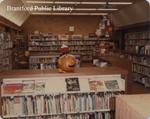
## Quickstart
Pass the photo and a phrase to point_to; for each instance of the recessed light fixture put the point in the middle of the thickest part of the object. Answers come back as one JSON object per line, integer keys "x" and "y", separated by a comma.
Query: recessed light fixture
{"x": 43, "y": 13}
{"x": 85, "y": 3}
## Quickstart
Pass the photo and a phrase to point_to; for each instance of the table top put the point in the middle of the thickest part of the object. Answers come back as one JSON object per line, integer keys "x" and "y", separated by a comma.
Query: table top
{"x": 77, "y": 72}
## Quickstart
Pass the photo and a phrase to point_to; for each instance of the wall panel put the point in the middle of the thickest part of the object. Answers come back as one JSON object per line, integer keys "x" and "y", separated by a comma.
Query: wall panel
{"x": 60, "y": 24}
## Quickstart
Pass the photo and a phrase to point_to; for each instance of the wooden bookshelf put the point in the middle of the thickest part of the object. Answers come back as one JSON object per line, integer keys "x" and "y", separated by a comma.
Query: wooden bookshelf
{"x": 49, "y": 44}
{"x": 20, "y": 48}
{"x": 137, "y": 47}
{"x": 48, "y": 79}
{"x": 6, "y": 46}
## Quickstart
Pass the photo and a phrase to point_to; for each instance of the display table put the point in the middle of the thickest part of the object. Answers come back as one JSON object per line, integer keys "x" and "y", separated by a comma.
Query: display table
{"x": 133, "y": 106}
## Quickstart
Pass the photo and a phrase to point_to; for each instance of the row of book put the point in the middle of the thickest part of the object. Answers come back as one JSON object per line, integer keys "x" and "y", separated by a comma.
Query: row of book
{"x": 76, "y": 52}
{"x": 141, "y": 60}
{"x": 43, "y": 66}
{"x": 51, "y": 48}
{"x": 81, "y": 48}
{"x": 59, "y": 42}
{"x": 35, "y": 48}
{"x": 56, "y": 104}
{"x": 6, "y": 45}
{"x": 5, "y": 53}
{"x": 138, "y": 35}
{"x": 142, "y": 79}
{"x": 137, "y": 42}
{"x": 141, "y": 69}
{"x": 44, "y": 60}
{"x": 61, "y": 37}
{"x": 141, "y": 50}
{"x": 51, "y": 53}
{"x": 98, "y": 115}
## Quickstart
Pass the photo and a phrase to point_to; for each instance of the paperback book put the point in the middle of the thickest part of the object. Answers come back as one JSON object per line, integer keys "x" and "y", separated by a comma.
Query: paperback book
{"x": 111, "y": 84}
{"x": 72, "y": 84}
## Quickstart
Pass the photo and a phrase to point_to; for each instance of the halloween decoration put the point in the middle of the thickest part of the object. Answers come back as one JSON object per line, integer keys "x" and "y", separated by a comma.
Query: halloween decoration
{"x": 64, "y": 49}
{"x": 106, "y": 48}
{"x": 67, "y": 63}
{"x": 105, "y": 27}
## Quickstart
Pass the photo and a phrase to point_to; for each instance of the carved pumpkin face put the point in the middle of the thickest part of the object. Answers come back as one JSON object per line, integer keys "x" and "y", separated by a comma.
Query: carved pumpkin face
{"x": 67, "y": 63}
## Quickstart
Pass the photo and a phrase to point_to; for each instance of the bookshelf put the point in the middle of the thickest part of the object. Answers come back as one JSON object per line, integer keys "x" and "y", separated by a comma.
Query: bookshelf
{"x": 86, "y": 96}
{"x": 43, "y": 62}
{"x": 137, "y": 47}
{"x": 49, "y": 44}
{"x": 6, "y": 46}
{"x": 20, "y": 48}
{"x": 43, "y": 51}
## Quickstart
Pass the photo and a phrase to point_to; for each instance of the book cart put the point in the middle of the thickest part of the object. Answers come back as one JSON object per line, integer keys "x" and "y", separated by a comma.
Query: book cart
{"x": 61, "y": 97}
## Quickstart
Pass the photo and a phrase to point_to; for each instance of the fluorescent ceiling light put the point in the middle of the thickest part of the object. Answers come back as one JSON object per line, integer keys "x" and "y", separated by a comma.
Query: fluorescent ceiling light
{"x": 85, "y": 3}
{"x": 94, "y": 9}
{"x": 43, "y": 13}
{"x": 120, "y": 3}
{"x": 111, "y": 3}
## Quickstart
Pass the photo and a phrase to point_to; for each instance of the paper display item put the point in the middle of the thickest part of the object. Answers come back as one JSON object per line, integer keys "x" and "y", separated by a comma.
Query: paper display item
{"x": 40, "y": 86}
{"x": 111, "y": 84}
{"x": 12, "y": 88}
{"x": 28, "y": 85}
{"x": 72, "y": 84}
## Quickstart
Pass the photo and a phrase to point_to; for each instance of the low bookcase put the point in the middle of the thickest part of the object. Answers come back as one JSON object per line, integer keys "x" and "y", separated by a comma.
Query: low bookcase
{"x": 67, "y": 97}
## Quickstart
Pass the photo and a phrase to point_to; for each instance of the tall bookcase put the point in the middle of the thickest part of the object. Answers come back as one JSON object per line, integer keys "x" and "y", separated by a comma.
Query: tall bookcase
{"x": 49, "y": 44}
{"x": 6, "y": 46}
{"x": 78, "y": 97}
{"x": 20, "y": 48}
{"x": 137, "y": 46}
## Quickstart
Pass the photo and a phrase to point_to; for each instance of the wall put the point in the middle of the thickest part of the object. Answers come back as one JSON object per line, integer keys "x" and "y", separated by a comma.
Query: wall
{"x": 136, "y": 13}
{"x": 60, "y": 24}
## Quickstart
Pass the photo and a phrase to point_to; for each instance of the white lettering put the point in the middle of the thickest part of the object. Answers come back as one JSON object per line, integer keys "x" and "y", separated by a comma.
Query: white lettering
{"x": 39, "y": 8}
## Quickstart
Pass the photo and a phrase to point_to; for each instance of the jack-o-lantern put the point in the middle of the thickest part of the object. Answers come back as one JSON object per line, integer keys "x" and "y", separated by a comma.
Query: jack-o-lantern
{"x": 67, "y": 63}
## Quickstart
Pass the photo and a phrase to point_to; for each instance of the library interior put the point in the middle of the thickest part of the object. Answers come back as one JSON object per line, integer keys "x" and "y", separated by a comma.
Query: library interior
{"x": 74, "y": 59}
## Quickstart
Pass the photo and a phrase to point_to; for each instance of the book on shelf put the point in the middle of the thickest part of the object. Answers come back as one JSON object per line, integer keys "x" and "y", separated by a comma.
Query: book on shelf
{"x": 138, "y": 48}
{"x": 141, "y": 69}
{"x": 76, "y": 43}
{"x": 141, "y": 79}
{"x": 6, "y": 46}
{"x": 63, "y": 37}
{"x": 76, "y": 37}
{"x": 56, "y": 104}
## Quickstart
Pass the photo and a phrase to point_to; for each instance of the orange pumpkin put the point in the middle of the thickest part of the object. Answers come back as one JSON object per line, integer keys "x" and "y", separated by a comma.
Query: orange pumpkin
{"x": 67, "y": 63}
